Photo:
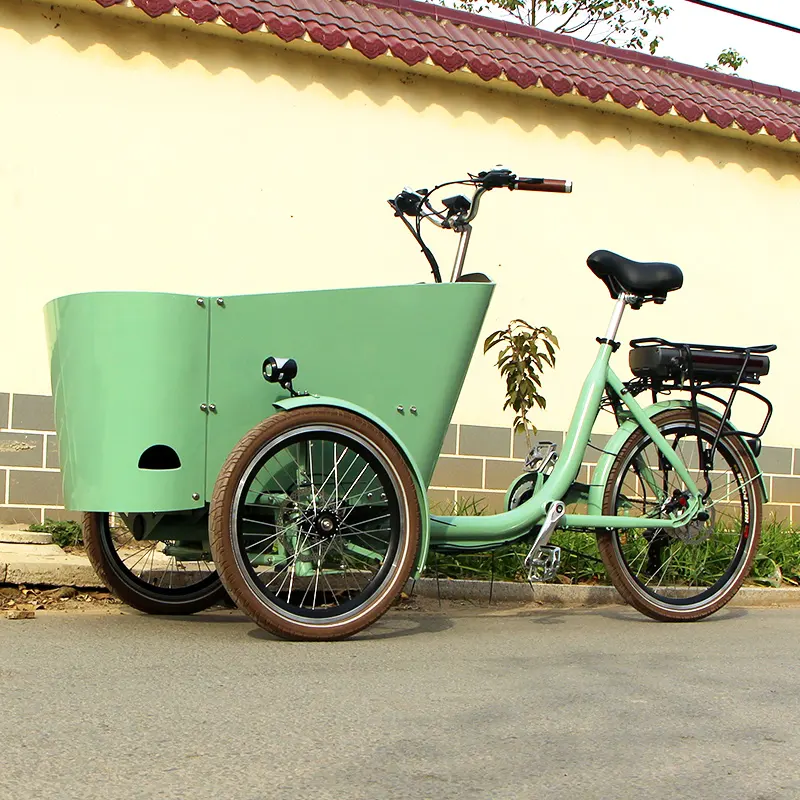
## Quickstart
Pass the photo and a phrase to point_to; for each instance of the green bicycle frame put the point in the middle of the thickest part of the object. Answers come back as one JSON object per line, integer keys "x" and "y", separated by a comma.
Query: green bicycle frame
{"x": 480, "y": 532}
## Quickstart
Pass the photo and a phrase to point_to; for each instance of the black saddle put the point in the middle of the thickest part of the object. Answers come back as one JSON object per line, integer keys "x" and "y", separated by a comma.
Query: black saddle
{"x": 646, "y": 280}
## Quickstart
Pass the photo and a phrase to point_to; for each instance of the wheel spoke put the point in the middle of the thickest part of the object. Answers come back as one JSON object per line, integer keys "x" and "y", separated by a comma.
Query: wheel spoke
{"x": 335, "y": 473}
{"x": 355, "y": 502}
{"x": 366, "y": 521}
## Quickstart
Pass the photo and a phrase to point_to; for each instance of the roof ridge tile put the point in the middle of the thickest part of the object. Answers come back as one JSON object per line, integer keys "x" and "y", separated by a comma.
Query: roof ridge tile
{"x": 452, "y": 40}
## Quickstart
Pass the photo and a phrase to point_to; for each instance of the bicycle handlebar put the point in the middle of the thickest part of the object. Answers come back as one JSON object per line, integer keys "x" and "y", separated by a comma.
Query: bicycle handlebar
{"x": 543, "y": 185}
{"x": 459, "y": 211}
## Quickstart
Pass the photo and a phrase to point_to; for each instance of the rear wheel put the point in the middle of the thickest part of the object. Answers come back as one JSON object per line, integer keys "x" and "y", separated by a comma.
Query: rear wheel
{"x": 686, "y": 573}
{"x": 143, "y": 574}
{"x": 315, "y": 523}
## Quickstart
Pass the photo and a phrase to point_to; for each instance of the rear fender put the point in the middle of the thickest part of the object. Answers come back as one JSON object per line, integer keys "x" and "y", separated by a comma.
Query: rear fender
{"x": 615, "y": 444}
{"x": 306, "y": 401}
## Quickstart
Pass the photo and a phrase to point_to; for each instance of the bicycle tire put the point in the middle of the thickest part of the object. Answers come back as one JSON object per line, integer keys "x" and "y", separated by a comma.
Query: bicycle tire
{"x": 149, "y": 595}
{"x": 345, "y": 607}
{"x": 674, "y": 598}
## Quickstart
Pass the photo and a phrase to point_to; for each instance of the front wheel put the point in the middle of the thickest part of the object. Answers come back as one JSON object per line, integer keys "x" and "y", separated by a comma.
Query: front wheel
{"x": 686, "y": 573}
{"x": 315, "y": 523}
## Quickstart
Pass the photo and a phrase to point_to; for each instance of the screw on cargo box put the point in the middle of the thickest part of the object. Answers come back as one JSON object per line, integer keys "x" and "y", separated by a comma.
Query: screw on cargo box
{"x": 400, "y": 409}
{"x": 220, "y": 301}
{"x": 201, "y": 302}
{"x": 204, "y": 408}
{"x": 413, "y": 409}
{"x": 212, "y": 408}
{"x": 195, "y": 496}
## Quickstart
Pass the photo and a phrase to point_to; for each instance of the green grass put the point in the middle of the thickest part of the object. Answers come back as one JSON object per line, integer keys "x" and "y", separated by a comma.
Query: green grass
{"x": 65, "y": 533}
{"x": 506, "y": 563}
{"x": 777, "y": 562}
{"x": 576, "y": 567}
{"x": 778, "y": 559}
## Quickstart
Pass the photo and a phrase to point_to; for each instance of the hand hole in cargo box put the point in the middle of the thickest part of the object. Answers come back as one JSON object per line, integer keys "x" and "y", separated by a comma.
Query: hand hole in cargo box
{"x": 159, "y": 456}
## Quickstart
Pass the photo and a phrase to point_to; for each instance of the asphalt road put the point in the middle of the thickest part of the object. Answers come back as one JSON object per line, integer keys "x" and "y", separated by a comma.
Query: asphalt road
{"x": 465, "y": 703}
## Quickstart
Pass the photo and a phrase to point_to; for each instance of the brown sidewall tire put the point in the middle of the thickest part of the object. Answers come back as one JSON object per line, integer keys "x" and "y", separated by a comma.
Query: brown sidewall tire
{"x": 120, "y": 581}
{"x": 225, "y": 546}
{"x": 621, "y": 577}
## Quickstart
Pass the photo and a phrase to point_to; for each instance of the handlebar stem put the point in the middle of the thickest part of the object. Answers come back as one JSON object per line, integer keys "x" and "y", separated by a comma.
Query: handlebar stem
{"x": 465, "y": 229}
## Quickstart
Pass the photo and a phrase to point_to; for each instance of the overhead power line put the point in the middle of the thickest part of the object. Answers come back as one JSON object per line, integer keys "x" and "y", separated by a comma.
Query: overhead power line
{"x": 736, "y": 13}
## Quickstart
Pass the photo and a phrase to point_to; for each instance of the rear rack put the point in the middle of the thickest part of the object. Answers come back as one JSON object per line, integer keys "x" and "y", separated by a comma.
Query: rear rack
{"x": 700, "y": 370}
{"x": 760, "y": 348}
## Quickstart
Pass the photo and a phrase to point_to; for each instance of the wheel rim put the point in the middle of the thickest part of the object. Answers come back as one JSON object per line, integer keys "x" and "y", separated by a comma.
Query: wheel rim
{"x": 148, "y": 564}
{"x": 695, "y": 564}
{"x": 318, "y": 523}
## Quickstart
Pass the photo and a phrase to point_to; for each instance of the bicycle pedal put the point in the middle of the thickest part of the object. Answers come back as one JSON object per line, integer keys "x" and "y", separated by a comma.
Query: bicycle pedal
{"x": 544, "y": 566}
{"x": 540, "y": 456}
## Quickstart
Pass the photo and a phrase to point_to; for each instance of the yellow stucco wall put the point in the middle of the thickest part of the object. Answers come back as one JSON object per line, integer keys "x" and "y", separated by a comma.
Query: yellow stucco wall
{"x": 137, "y": 155}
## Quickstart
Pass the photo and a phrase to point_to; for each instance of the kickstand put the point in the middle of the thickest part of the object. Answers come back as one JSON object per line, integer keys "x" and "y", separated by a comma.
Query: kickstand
{"x": 491, "y": 582}
{"x": 521, "y": 562}
{"x": 413, "y": 586}
{"x": 436, "y": 567}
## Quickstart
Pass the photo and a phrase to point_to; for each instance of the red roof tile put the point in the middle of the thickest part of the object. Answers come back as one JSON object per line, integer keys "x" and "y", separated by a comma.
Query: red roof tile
{"x": 490, "y": 48}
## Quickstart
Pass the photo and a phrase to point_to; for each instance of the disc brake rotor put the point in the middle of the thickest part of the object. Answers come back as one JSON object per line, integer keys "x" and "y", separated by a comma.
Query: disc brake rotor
{"x": 697, "y": 531}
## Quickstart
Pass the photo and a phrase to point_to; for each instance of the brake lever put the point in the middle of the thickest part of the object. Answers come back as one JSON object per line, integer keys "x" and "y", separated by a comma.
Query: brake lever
{"x": 498, "y": 178}
{"x": 408, "y": 202}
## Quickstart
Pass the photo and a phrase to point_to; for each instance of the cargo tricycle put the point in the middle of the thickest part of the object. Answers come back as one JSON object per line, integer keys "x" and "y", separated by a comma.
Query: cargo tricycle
{"x": 279, "y": 446}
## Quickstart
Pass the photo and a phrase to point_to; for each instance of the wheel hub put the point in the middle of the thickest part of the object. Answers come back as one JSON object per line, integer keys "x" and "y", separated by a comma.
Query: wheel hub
{"x": 326, "y": 524}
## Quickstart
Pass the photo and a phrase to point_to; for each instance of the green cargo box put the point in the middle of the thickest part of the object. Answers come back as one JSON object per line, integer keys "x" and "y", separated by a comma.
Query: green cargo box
{"x": 136, "y": 375}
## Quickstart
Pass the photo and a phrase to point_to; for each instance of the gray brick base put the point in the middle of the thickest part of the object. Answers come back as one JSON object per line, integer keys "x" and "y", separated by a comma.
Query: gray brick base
{"x": 30, "y": 482}
{"x": 477, "y": 464}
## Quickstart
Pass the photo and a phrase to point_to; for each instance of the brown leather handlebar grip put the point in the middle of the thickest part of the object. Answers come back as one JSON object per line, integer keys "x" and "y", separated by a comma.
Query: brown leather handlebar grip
{"x": 544, "y": 185}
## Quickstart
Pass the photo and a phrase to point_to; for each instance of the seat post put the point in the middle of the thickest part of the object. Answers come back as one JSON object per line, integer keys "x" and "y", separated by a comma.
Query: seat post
{"x": 613, "y": 326}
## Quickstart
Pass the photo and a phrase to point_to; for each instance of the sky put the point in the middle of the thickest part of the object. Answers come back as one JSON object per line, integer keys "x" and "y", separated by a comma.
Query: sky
{"x": 697, "y": 35}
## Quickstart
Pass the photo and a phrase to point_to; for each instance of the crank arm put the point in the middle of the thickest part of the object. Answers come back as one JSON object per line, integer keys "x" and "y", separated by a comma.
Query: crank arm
{"x": 551, "y": 519}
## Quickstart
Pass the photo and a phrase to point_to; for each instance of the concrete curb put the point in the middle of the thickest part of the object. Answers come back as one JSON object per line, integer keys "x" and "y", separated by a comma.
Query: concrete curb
{"x": 45, "y": 565}
{"x": 556, "y": 595}
{"x": 48, "y": 565}
{"x": 31, "y": 573}
{"x": 24, "y": 537}
{"x": 548, "y": 594}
